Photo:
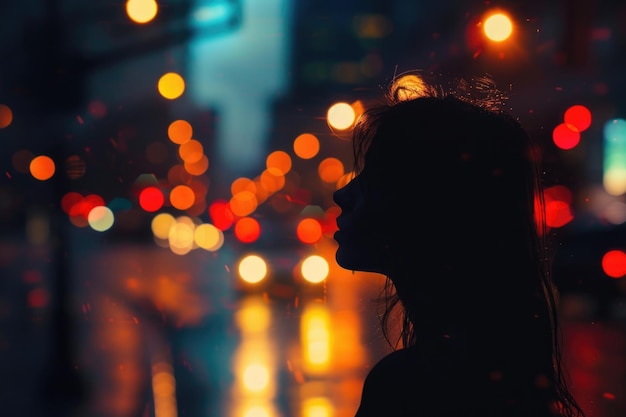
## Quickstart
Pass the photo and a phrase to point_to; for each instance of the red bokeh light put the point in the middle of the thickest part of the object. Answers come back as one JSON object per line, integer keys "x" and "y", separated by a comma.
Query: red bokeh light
{"x": 151, "y": 199}
{"x": 566, "y": 136}
{"x": 578, "y": 116}
{"x": 614, "y": 263}
{"x": 221, "y": 215}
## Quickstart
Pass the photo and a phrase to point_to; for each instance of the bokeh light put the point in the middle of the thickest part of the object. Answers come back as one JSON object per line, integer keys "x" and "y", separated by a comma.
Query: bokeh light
{"x": 100, "y": 218}
{"x": 565, "y": 136}
{"x": 141, "y": 11}
{"x": 498, "y": 27}
{"x": 38, "y": 298}
{"x": 272, "y": 180}
{"x": 42, "y": 167}
{"x": 171, "y": 85}
{"x": 69, "y": 199}
{"x": 317, "y": 407}
{"x": 330, "y": 170}
{"x": 208, "y": 237}
{"x": 221, "y": 215}
{"x": 614, "y": 263}
{"x": 182, "y": 197}
{"x": 314, "y": 269}
{"x": 578, "y": 116}
{"x": 161, "y": 225}
{"x": 179, "y": 131}
{"x": 279, "y": 161}
{"x": 191, "y": 151}
{"x": 252, "y": 268}
{"x": 315, "y": 337}
{"x": 151, "y": 199}
{"x": 340, "y": 116}
{"x": 164, "y": 390}
{"x": 6, "y": 116}
{"x": 306, "y": 145}
{"x": 309, "y": 230}
{"x": 614, "y": 163}
{"x": 243, "y": 203}
{"x": 181, "y": 235}
{"x": 79, "y": 211}
{"x": 558, "y": 210}
{"x": 198, "y": 167}
{"x": 247, "y": 229}
{"x": 256, "y": 377}
{"x": 253, "y": 316}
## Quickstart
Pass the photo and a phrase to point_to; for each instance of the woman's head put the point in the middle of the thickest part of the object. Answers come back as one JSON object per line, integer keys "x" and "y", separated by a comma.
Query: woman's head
{"x": 442, "y": 185}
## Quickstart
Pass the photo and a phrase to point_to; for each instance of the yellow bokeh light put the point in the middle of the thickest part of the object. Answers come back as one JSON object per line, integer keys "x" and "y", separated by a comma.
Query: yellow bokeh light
{"x": 252, "y": 269}
{"x": 498, "y": 27}
{"x": 42, "y": 167}
{"x": 100, "y": 218}
{"x": 257, "y": 411}
{"x": 141, "y": 11}
{"x": 208, "y": 237}
{"x": 256, "y": 377}
{"x": 316, "y": 337}
{"x": 161, "y": 224}
{"x": 314, "y": 269}
{"x": 341, "y": 116}
{"x": 181, "y": 237}
{"x": 171, "y": 85}
{"x": 317, "y": 407}
{"x": 253, "y": 316}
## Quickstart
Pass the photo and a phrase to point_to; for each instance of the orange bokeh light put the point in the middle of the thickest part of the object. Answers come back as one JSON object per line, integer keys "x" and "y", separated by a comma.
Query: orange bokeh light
{"x": 247, "y": 229}
{"x": 6, "y": 116}
{"x": 179, "y": 131}
{"x": 309, "y": 230}
{"x": 182, "y": 197}
{"x": 42, "y": 167}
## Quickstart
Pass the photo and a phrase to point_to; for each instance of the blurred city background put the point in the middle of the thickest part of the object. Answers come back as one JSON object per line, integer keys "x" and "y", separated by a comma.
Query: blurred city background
{"x": 166, "y": 212}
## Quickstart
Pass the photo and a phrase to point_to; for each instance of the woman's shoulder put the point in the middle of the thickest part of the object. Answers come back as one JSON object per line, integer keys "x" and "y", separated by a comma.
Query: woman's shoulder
{"x": 409, "y": 379}
{"x": 406, "y": 367}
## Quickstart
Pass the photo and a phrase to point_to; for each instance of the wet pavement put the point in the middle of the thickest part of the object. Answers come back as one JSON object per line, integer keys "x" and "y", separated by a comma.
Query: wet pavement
{"x": 152, "y": 333}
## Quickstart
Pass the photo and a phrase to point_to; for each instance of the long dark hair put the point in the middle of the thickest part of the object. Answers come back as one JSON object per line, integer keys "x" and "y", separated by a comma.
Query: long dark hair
{"x": 526, "y": 305}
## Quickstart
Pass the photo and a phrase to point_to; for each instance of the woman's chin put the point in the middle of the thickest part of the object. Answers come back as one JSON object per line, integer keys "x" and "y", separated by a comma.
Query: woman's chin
{"x": 356, "y": 261}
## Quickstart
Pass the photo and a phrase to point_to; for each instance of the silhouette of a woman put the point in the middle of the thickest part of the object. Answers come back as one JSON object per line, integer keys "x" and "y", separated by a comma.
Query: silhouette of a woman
{"x": 447, "y": 203}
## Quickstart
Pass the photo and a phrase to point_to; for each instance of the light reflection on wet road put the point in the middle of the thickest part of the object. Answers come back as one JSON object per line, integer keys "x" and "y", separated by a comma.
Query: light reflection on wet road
{"x": 172, "y": 335}
{"x": 164, "y": 335}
